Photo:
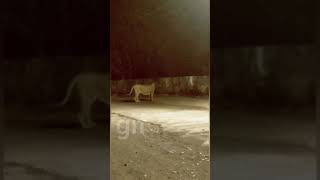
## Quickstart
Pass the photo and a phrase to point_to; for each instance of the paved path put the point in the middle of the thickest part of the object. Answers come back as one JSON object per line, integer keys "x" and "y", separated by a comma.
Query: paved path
{"x": 185, "y": 115}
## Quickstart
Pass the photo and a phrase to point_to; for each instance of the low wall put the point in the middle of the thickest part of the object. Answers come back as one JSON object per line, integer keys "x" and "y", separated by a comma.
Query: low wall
{"x": 188, "y": 85}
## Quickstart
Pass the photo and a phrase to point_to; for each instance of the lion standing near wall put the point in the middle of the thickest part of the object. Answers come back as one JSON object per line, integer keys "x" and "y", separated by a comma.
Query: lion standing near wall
{"x": 147, "y": 90}
{"x": 91, "y": 87}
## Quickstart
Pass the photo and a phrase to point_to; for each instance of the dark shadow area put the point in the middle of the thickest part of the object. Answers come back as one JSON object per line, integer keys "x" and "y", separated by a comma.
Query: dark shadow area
{"x": 13, "y": 168}
{"x": 61, "y": 126}
{"x": 263, "y": 112}
{"x": 45, "y": 46}
{"x": 2, "y": 115}
{"x": 262, "y": 23}
{"x": 60, "y": 144}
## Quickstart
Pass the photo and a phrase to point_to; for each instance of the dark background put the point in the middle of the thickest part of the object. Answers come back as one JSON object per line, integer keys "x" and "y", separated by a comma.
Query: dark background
{"x": 38, "y": 28}
{"x": 248, "y": 22}
{"x": 45, "y": 43}
{"x": 153, "y": 39}
{"x": 79, "y": 27}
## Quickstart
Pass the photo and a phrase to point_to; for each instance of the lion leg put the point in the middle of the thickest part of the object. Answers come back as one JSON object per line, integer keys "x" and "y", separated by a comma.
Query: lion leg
{"x": 82, "y": 119}
{"x": 86, "y": 121}
{"x": 136, "y": 98}
{"x": 90, "y": 122}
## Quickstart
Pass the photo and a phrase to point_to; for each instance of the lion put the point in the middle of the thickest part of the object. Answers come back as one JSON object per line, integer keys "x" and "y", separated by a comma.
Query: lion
{"x": 147, "y": 90}
{"x": 91, "y": 87}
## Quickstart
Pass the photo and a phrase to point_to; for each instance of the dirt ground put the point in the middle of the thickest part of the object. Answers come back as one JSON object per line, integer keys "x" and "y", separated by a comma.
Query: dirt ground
{"x": 157, "y": 155}
{"x": 48, "y": 144}
{"x": 157, "y": 151}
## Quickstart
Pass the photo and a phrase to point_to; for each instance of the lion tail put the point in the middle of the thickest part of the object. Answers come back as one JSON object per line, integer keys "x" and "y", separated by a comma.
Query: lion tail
{"x": 131, "y": 90}
{"x": 70, "y": 88}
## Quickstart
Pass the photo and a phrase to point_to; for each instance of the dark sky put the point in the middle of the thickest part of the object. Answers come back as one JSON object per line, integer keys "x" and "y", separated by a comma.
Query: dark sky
{"x": 80, "y": 27}
{"x": 59, "y": 27}
{"x": 249, "y": 22}
{"x": 165, "y": 37}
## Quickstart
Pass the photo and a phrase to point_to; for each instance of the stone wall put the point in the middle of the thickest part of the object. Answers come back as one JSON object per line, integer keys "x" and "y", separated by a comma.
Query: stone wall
{"x": 185, "y": 85}
{"x": 45, "y": 80}
{"x": 290, "y": 75}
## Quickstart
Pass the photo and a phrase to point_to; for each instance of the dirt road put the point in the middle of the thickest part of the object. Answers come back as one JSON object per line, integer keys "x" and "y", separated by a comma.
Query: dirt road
{"x": 160, "y": 140}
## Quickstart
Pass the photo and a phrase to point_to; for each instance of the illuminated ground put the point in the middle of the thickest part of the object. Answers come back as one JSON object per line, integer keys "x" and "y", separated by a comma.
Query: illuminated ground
{"x": 46, "y": 144}
{"x": 186, "y": 115}
{"x": 252, "y": 143}
{"x": 173, "y": 143}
